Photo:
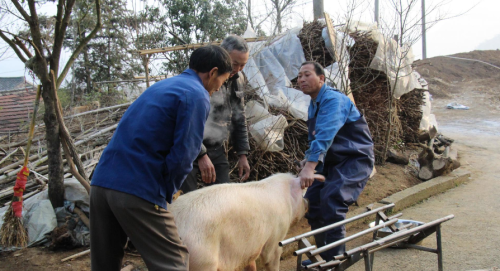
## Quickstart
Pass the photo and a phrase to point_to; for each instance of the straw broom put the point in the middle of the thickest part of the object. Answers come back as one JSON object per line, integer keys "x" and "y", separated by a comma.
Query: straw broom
{"x": 13, "y": 232}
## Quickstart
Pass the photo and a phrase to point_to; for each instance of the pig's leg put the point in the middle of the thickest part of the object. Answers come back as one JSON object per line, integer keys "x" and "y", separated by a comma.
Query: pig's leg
{"x": 251, "y": 267}
{"x": 272, "y": 260}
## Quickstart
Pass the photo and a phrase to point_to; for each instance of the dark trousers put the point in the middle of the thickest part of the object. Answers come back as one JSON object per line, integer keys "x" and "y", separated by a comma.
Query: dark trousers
{"x": 218, "y": 157}
{"x": 328, "y": 203}
{"x": 115, "y": 215}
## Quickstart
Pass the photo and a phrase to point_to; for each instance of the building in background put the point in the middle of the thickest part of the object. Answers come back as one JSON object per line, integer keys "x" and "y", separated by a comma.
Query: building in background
{"x": 16, "y": 104}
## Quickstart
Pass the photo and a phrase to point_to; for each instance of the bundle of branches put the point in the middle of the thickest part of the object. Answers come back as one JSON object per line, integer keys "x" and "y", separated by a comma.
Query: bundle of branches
{"x": 313, "y": 44}
{"x": 410, "y": 114}
{"x": 371, "y": 92}
{"x": 265, "y": 163}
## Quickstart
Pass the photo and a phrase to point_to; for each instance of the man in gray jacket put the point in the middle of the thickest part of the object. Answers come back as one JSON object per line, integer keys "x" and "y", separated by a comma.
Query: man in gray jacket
{"x": 226, "y": 120}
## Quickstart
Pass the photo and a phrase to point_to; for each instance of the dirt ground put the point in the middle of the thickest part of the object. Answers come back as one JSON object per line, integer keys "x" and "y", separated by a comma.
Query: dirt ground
{"x": 450, "y": 81}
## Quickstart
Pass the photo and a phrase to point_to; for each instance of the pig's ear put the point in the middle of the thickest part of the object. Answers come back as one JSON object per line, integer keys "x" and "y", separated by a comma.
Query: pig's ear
{"x": 319, "y": 177}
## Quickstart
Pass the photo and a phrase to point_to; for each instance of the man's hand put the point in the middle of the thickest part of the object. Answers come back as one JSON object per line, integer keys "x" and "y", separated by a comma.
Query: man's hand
{"x": 300, "y": 165}
{"x": 307, "y": 174}
{"x": 243, "y": 167}
{"x": 207, "y": 169}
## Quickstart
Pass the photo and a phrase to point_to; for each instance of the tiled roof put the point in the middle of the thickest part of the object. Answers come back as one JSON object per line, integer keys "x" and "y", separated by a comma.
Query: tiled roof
{"x": 15, "y": 110}
{"x": 9, "y": 83}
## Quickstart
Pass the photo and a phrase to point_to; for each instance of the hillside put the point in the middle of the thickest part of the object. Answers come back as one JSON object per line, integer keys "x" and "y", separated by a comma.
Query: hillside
{"x": 442, "y": 72}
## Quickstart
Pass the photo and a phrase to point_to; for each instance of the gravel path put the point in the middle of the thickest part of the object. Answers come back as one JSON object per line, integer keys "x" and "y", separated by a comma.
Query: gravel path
{"x": 471, "y": 241}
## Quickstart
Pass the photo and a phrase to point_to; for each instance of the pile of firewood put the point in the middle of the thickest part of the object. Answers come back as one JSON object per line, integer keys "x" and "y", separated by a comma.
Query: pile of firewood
{"x": 264, "y": 163}
{"x": 437, "y": 157}
{"x": 313, "y": 44}
{"x": 371, "y": 92}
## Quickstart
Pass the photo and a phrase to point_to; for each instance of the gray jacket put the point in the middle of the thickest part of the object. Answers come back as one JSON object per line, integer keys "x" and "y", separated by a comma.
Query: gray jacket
{"x": 227, "y": 117}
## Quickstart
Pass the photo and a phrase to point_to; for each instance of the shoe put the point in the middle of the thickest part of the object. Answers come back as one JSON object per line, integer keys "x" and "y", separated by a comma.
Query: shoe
{"x": 306, "y": 262}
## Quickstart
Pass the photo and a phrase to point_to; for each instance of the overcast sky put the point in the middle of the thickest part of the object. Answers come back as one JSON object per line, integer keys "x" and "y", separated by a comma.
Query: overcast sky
{"x": 461, "y": 34}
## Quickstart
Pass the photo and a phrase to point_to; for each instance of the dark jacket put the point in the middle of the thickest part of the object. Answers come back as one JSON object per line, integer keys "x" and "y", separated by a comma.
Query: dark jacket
{"x": 227, "y": 117}
{"x": 157, "y": 140}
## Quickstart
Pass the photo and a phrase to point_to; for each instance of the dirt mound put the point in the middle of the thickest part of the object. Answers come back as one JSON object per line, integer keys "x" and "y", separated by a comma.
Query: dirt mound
{"x": 444, "y": 71}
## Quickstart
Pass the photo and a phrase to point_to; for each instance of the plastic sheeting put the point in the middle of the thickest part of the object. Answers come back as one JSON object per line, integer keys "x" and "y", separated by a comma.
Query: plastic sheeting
{"x": 288, "y": 51}
{"x": 40, "y": 219}
{"x": 338, "y": 77}
{"x": 428, "y": 119}
{"x": 271, "y": 70}
{"x": 268, "y": 71}
{"x": 396, "y": 62}
{"x": 298, "y": 103}
{"x": 255, "y": 112}
{"x": 269, "y": 132}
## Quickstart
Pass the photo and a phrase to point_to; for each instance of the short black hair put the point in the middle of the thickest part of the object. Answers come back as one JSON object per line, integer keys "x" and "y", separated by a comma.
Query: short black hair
{"x": 318, "y": 69}
{"x": 205, "y": 58}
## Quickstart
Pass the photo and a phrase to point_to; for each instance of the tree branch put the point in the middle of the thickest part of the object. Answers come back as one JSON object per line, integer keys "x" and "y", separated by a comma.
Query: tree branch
{"x": 23, "y": 47}
{"x": 12, "y": 13}
{"x": 41, "y": 71}
{"x": 13, "y": 46}
{"x": 82, "y": 44}
{"x": 21, "y": 10}
{"x": 60, "y": 32}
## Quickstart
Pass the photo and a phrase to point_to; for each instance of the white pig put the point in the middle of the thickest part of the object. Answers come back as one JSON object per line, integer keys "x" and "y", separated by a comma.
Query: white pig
{"x": 228, "y": 226}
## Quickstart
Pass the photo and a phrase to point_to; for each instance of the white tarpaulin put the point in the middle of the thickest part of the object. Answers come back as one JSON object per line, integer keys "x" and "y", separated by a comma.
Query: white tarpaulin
{"x": 288, "y": 51}
{"x": 428, "y": 119}
{"x": 269, "y": 132}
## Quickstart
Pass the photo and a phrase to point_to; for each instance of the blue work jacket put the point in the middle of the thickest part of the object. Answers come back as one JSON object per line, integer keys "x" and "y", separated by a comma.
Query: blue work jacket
{"x": 157, "y": 140}
{"x": 335, "y": 110}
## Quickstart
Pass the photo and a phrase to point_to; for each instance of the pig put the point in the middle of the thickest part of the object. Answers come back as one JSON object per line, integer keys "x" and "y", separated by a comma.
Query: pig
{"x": 229, "y": 226}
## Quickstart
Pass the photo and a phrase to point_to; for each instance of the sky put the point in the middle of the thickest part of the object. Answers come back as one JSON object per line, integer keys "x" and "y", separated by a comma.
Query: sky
{"x": 455, "y": 35}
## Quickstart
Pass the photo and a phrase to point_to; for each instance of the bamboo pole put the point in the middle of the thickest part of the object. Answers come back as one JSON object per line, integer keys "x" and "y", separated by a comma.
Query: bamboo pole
{"x": 82, "y": 216}
{"x": 190, "y": 46}
{"x": 7, "y": 157}
{"x": 83, "y": 253}
{"x": 99, "y": 110}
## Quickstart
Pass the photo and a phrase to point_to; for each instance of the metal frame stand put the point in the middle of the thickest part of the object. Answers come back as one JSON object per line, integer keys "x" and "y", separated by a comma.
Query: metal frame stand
{"x": 403, "y": 236}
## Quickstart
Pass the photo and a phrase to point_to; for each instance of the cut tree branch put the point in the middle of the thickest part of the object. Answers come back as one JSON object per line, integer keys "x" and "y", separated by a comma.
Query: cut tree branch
{"x": 69, "y": 149}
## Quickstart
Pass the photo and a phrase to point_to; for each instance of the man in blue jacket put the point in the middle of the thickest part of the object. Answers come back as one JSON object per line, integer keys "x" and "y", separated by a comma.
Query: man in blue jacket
{"x": 340, "y": 148}
{"x": 145, "y": 163}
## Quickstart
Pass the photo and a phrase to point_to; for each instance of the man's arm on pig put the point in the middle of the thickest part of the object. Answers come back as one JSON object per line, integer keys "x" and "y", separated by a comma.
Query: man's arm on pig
{"x": 192, "y": 114}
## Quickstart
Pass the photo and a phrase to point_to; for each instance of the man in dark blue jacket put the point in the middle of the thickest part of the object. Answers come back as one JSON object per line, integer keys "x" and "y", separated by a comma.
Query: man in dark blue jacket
{"x": 340, "y": 148}
{"x": 145, "y": 163}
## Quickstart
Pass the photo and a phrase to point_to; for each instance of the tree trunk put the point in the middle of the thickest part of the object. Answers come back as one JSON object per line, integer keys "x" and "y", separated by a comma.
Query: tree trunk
{"x": 55, "y": 162}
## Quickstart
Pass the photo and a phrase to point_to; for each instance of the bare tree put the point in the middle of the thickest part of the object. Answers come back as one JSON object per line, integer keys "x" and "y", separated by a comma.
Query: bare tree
{"x": 281, "y": 8}
{"x": 40, "y": 49}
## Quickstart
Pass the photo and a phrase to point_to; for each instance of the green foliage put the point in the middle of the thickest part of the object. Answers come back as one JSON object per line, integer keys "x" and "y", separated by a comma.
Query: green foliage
{"x": 106, "y": 57}
{"x": 111, "y": 55}
{"x": 64, "y": 95}
{"x": 196, "y": 21}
